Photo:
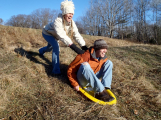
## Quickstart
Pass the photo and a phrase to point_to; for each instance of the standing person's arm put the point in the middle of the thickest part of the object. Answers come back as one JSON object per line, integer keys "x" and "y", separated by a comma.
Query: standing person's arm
{"x": 76, "y": 49}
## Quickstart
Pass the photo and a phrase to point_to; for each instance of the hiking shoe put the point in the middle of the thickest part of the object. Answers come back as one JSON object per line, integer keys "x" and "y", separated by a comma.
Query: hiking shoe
{"x": 104, "y": 96}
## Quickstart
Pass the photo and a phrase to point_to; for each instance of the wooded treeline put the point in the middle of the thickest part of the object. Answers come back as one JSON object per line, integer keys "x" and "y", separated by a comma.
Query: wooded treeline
{"x": 37, "y": 19}
{"x": 138, "y": 20}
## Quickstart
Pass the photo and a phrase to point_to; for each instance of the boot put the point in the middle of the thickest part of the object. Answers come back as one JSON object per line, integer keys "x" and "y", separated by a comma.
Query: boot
{"x": 104, "y": 96}
{"x": 41, "y": 51}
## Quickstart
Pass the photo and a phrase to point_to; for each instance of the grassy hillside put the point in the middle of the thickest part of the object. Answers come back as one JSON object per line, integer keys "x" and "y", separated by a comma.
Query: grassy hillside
{"x": 28, "y": 90}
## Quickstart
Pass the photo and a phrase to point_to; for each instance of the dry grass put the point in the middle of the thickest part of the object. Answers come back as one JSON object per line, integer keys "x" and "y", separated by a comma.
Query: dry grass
{"x": 28, "y": 90}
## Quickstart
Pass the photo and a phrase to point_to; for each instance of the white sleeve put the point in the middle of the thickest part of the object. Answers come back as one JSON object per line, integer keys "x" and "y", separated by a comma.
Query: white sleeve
{"x": 78, "y": 38}
{"x": 58, "y": 26}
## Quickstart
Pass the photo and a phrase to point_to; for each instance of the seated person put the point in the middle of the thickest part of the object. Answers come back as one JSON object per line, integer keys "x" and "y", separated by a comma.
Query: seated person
{"x": 88, "y": 68}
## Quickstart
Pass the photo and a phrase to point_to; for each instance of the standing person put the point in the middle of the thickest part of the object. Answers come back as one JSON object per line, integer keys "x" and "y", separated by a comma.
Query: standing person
{"x": 86, "y": 70}
{"x": 64, "y": 29}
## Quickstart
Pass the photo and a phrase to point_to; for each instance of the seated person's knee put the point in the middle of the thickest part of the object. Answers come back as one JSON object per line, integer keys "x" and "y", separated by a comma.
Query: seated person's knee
{"x": 85, "y": 63}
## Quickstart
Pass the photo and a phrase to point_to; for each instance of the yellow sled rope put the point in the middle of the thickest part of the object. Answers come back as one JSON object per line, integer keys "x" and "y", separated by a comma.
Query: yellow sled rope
{"x": 90, "y": 95}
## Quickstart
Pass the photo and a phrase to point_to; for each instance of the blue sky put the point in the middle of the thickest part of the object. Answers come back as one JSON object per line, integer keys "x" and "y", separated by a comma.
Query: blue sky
{"x": 9, "y": 8}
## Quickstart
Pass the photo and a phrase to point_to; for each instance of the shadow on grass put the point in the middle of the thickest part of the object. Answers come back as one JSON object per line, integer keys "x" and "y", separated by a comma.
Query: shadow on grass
{"x": 48, "y": 66}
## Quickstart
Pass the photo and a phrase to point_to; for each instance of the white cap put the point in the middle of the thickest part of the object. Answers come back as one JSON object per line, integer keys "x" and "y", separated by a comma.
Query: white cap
{"x": 67, "y": 7}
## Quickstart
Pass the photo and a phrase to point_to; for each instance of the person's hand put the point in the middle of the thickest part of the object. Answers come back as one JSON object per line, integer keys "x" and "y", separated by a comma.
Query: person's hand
{"x": 76, "y": 49}
{"x": 76, "y": 88}
{"x": 84, "y": 48}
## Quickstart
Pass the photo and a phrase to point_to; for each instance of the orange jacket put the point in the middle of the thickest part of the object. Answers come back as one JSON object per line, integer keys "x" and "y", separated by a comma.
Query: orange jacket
{"x": 90, "y": 57}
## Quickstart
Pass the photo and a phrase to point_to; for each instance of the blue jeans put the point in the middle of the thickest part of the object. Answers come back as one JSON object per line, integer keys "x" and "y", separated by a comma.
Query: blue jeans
{"x": 52, "y": 45}
{"x": 87, "y": 77}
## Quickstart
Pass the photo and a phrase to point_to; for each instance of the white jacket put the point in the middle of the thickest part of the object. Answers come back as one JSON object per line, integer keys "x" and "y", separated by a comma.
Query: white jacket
{"x": 56, "y": 29}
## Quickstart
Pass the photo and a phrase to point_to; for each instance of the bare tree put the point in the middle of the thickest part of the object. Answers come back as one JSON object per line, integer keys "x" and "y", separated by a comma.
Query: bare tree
{"x": 41, "y": 17}
{"x": 17, "y": 21}
{"x": 103, "y": 16}
{"x": 20, "y": 21}
{"x": 141, "y": 7}
{"x": 156, "y": 8}
{"x": 1, "y": 21}
{"x": 88, "y": 22}
{"x": 46, "y": 16}
{"x": 80, "y": 27}
{"x": 37, "y": 19}
{"x": 27, "y": 21}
